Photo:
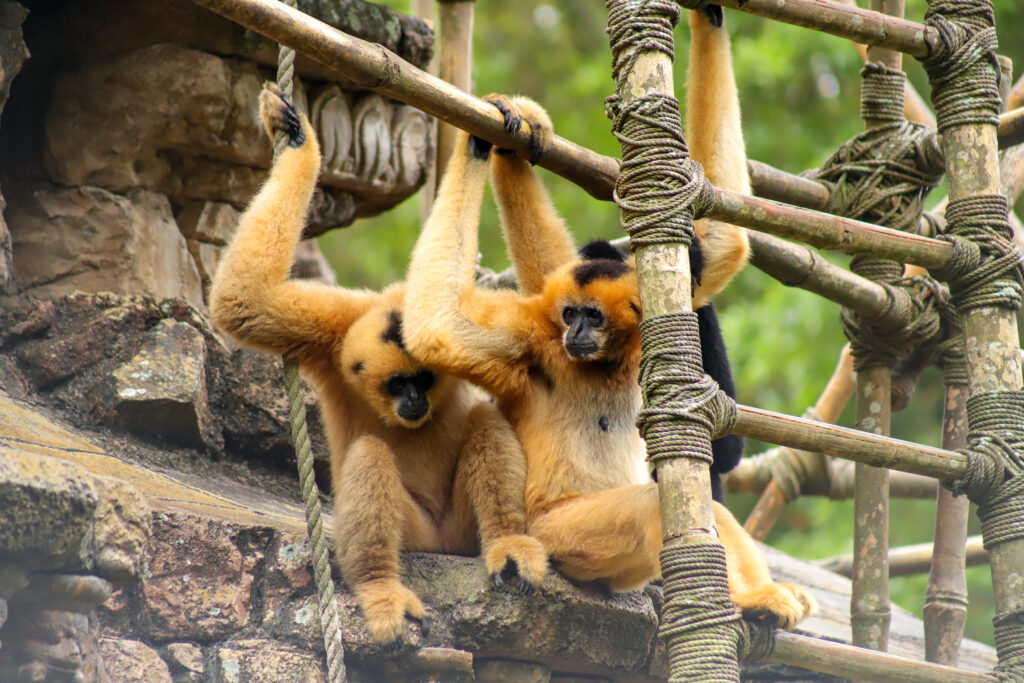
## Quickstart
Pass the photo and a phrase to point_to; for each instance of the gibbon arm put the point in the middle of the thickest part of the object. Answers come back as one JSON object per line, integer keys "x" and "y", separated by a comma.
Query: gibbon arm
{"x": 252, "y": 298}
{"x": 537, "y": 237}
{"x": 448, "y": 323}
{"x": 715, "y": 139}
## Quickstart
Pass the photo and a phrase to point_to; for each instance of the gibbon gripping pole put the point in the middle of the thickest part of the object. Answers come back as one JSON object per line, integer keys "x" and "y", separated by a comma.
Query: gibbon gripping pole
{"x": 330, "y": 624}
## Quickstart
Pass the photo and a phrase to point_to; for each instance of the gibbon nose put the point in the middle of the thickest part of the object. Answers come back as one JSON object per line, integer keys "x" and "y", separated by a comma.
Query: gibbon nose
{"x": 414, "y": 404}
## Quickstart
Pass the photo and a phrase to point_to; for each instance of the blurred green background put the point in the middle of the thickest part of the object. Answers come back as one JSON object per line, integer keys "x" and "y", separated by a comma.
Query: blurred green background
{"x": 799, "y": 91}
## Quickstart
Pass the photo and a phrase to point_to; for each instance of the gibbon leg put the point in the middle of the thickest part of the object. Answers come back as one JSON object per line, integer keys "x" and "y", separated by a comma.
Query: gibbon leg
{"x": 489, "y": 485}
{"x": 614, "y": 535}
{"x": 750, "y": 583}
{"x": 372, "y": 513}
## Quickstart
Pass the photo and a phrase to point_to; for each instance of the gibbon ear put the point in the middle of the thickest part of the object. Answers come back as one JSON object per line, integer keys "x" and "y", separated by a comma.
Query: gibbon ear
{"x": 598, "y": 249}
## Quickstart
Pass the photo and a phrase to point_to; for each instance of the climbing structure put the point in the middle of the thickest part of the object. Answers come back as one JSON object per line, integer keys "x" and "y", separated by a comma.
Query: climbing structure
{"x": 962, "y": 308}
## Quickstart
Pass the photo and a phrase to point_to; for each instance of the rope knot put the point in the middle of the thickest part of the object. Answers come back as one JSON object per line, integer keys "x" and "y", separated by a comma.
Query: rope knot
{"x": 683, "y": 408}
{"x": 985, "y": 268}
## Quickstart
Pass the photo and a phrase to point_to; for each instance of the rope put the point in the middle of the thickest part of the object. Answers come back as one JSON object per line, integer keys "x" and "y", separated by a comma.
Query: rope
{"x": 330, "y": 624}
{"x": 660, "y": 192}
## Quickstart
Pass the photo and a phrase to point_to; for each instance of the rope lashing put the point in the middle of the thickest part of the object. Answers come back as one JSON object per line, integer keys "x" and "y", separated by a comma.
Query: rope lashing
{"x": 986, "y": 268}
{"x": 962, "y": 67}
{"x": 683, "y": 408}
{"x": 330, "y": 623}
{"x": 995, "y": 481}
{"x": 883, "y": 176}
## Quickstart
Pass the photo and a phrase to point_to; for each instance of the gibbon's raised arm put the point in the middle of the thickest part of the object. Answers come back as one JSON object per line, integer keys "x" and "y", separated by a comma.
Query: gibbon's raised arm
{"x": 537, "y": 238}
{"x": 252, "y": 297}
{"x": 448, "y": 323}
{"x": 715, "y": 138}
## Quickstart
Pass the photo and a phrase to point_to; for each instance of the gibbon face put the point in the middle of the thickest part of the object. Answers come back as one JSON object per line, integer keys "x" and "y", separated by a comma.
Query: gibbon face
{"x": 596, "y": 305}
{"x": 374, "y": 360}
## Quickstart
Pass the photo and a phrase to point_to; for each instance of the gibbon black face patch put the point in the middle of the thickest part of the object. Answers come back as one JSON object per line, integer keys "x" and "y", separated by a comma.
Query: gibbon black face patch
{"x": 589, "y": 271}
{"x": 393, "y": 333}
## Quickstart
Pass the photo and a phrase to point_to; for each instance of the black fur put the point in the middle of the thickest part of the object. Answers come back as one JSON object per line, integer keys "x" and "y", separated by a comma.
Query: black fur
{"x": 357, "y": 367}
{"x": 601, "y": 249}
{"x": 726, "y": 451}
{"x": 393, "y": 333}
{"x": 291, "y": 124}
{"x": 479, "y": 148}
{"x": 588, "y": 271}
{"x": 714, "y": 14}
{"x": 696, "y": 262}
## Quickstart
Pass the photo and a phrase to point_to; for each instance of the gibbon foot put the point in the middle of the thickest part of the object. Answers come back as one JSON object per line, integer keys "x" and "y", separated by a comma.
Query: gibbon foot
{"x": 385, "y": 604}
{"x": 517, "y": 109}
{"x": 279, "y": 114}
{"x": 517, "y": 557}
{"x": 779, "y": 604}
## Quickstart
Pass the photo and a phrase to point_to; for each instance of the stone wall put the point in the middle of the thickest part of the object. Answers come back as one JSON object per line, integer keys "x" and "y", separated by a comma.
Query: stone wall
{"x": 132, "y": 141}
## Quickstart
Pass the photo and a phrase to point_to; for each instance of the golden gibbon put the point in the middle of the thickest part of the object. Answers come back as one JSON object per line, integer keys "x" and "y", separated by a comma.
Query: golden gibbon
{"x": 561, "y": 355}
{"x": 420, "y": 460}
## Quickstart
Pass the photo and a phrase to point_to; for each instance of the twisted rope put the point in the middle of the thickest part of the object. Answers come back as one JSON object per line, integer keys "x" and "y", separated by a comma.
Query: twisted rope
{"x": 330, "y": 623}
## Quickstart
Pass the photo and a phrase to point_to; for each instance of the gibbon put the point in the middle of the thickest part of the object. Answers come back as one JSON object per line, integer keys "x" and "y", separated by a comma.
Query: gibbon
{"x": 420, "y": 460}
{"x": 561, "y": 355}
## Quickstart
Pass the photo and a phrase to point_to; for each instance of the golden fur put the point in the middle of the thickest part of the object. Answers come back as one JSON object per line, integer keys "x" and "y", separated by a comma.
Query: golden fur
{"x": 589, "y": 497}
{"x": 449, "y": 481}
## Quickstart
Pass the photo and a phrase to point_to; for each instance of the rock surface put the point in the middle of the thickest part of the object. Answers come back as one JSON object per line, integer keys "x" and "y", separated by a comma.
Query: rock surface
{"x": 13, "y": 54}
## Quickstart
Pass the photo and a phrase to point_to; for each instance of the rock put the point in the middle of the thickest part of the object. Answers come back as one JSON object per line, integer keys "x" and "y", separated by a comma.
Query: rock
{"x": 6, "y": 259}
{"x": 207, "y": 258}
{"x": 311, "y": 264}
{"x": 507, "y": 671}
{"x": 122, "y": 530}
{"x": 131, "y": 660}
{"x": 209, "y": 222}
{"x": 161, "y": 392}
{"x": 185, "y": 661}
{"x": 253, "y": 409}
{"x": 46, "y": 507}
{"x": 195, "y": 135}
{"x": 87, "y": 238}
{"x": 13, "y": 51}
{"x": 263, "y": 661}
{"x": 197, "y": 586}
{"x": 45, "y": 645}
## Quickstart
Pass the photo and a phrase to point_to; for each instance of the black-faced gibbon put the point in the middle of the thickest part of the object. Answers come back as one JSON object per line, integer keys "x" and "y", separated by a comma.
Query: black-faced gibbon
{"x": 419, "y": 459}
{"x": 561, "y": 356}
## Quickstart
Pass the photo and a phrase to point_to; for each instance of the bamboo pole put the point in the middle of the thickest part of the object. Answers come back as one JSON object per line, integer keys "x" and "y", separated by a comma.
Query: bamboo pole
{"x": 425, "y": 10}
{"x": 1011, "y": 128}
{"x": 1016, "y": 99}
{"x": 910, "y": 560}
{"x": 853, "y": 23}
{"x": 844, "y": 660}
{"x": 870, "y": 613}
{"x": 990, "y": 332}
{"x": 849, "y": 444}
{"x": 834, "y": 481}
{"x": 455, "y": 64}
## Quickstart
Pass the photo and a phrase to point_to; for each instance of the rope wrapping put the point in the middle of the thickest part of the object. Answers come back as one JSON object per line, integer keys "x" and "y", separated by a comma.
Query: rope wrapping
{"x": 883, "y": 175}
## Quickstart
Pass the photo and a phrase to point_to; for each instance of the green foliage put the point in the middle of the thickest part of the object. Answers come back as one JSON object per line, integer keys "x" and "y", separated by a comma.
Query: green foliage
{"x": 800, "y": 93}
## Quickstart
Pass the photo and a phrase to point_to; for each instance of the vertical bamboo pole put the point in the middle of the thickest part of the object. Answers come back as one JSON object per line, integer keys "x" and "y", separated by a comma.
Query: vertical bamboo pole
{"x": 455, "y": 63}
{"x": 663, "y": 271}
{"x": 945, "y": 599}
{"x": 990, "y": 332}
{"x": 869, "y": 598}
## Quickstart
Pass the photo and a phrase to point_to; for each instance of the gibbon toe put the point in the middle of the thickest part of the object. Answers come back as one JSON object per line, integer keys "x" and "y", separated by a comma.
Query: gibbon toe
{"x": 803, "y": 596}
{"x": 517, "y": 109}
{"x": 279, "y": 114}
{"x": 518, "y": 560}
{"x": 775, "y": 603}
{"x": 385, "y": 605}
{"x": 503, "y": 103}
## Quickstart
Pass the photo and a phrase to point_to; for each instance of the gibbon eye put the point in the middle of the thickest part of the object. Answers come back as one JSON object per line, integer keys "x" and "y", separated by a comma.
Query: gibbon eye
{"x": 395, "y": 385}
{"x": 594, "y": 316}
{"x": 423, "y": 380}
{"x": 569, "y": 313}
